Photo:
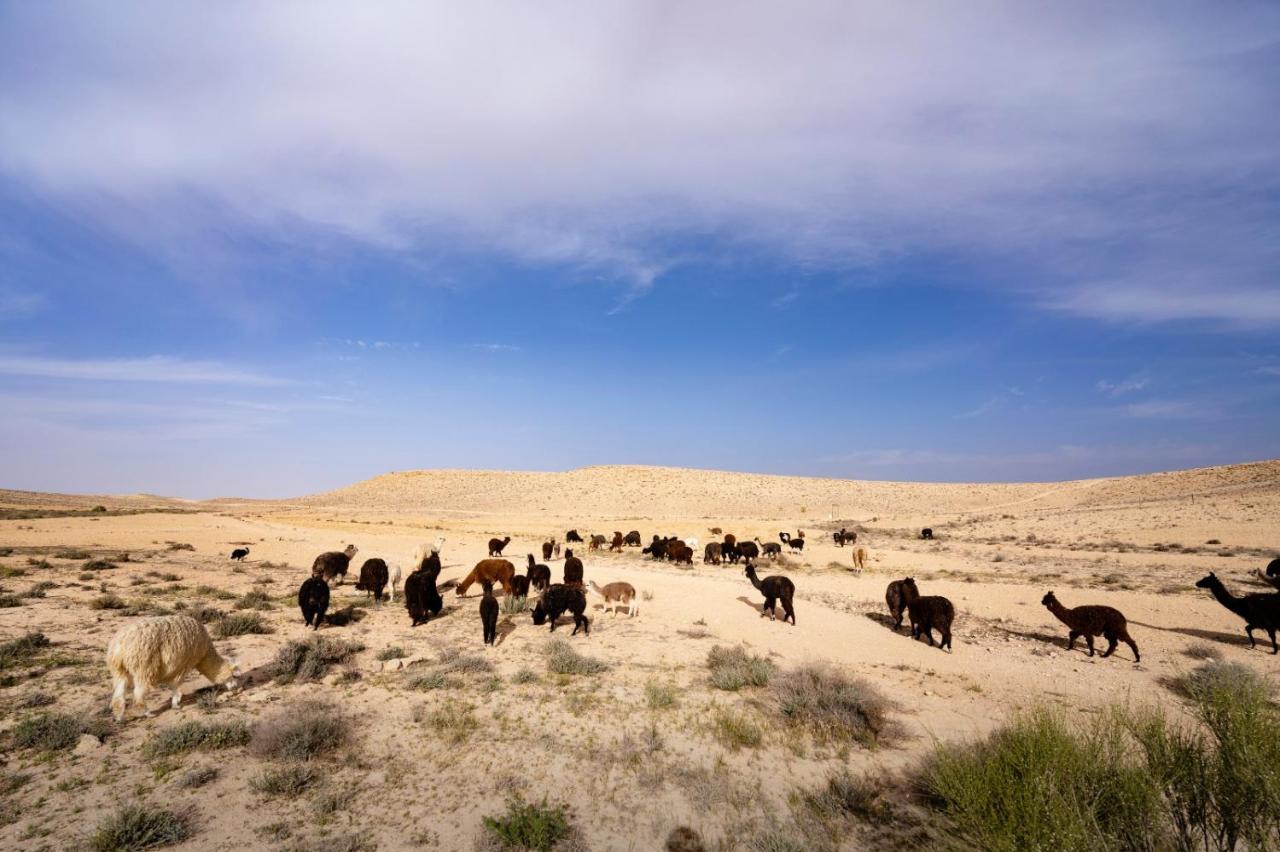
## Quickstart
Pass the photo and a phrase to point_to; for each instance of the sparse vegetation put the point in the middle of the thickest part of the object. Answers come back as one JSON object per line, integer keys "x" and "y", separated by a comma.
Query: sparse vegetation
{"x": 660, "y": 696}
{"x": 178, "y": 545}
{"x": 138, "y": 826}
{"x": 256, "y": 599}
{"x": 98, "y": 565}
{"x": 562, "y": 659}
{"x": 832, "y": 706}
{"x": 190, "y": 736}
{"x": 537, "y": 827}
{"x": 287, "y": 782}
{"x": 310, "y": 658}
{"x": 737, "y": 731}
{"x": 304, "y": 731}
{"x": 514, "y": 604}
{"x": 197, "y": 777}
{"x": 108, "y": 601}
{"x": 452, "y": 720}
{"x": 394, "y": 652}
{"x": 734, "y": 668}
{"x": 240, "y": 624}
{"x": 56, "y": 731}
{"x": 22, "y": 649}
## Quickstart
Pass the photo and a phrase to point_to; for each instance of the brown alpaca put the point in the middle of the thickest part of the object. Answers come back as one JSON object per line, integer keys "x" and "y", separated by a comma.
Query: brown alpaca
{"x": 1091, "y": 621}
{"x": 618, "y": 593}
{"x": 497, "y": 544}
{"x": 548, "y": 546}
{"x": 616, "y": 544}
{"x": 859, "y": 558}
{"x": 572, "y": 569}
{"x": 597, "y": 542}
{"x": 897, "y": 595}
{"x": 493, "y": 570}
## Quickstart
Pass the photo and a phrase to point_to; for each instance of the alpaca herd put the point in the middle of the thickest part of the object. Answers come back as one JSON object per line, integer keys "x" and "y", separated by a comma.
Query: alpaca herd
{"x": 163, "y": 650}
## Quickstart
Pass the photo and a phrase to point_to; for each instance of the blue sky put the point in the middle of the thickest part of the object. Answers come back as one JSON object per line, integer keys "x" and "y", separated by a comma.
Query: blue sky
{"x": 266, "y": 249}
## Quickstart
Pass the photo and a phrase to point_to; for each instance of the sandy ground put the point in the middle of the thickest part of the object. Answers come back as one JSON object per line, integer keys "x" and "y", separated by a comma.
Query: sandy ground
{"x": 628, "y": 771}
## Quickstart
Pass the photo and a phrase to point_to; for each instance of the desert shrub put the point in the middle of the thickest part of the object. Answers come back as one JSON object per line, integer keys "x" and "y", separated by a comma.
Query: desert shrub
{"x": 108, "y": 601}
{"x": 189, "y": 736}
{"x": 395, "y": 652}
{"x": 39, "y": 563}
{"x": 178, "y": 545}
{"x": 351, "y": 842}
{"x": 833, "y": 706}
{"x": 1203, "y": 651}
{"x": 1041, "y": 783}
{"x": 452, "y": 662}
{"x": 733, "y": 668}
{"x": 527, "y": 826}
{"x": 20, "y": 650}
{"x": 287, "y": 782}
{"x": 198, "y": 777}
{"x": 34, "y": 699}
{"x": 562, "y": 659}
{"x": 240, "y": 624}
{"x": 308, "y": 659}
{"x": 139, "y": 826}
{"x": 56, "y": 731}
{"x": 660, "y": 695}
{"x": 257, "y": 599}
{"x": 200, "y": 611}
{"x": 452, "y": 720}
{"x": 737, "y": 731}
{"x": 304, "y": 731}
{"x": 429, "y": 681}
{"x": 73, "y": 555}
{"x": 525, "y": 676}
{"x": 1221, "y": 779}
{"x": 39, "y": 589}
{"x": 9, "y": 601}
{"x": 97, "y": 565}
{"x": 863, "y": 798}
{"x": 514, "y": 604}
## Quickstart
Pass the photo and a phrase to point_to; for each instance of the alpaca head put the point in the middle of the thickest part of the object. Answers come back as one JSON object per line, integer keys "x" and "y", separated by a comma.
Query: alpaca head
{"x": 539, "y": 614}
{"x": 750, "y": 570}
{"x": 1049, "y": 599}
{"x": 487, "y": 586}
{"x": 568, "y": 554}
{"x": 1208, "y": 582}
{"x": 909, "y": 587}
{"x": 351, "y": 550}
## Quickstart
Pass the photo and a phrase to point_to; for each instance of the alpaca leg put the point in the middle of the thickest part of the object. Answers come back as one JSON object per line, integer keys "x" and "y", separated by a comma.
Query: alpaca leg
{"x": 946, "y": 639}
{"x": 1275, "y": 649}
{"x": 1071, "y": 640}
{"x": 119, "y": 697}
{"x": 176, "y": 700}
{"x": 1248, "y": 628}
{"x": 140, "y": 698}
{"x": 928, "y": 631}
{"x": 1133, "y": 646}
{"x": 1088, "y": 638}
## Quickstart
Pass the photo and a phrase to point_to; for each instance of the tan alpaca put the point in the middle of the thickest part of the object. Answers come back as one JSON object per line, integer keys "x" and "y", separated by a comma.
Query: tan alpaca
{"x": 618, "y": 593}
{"x": 859, "y": 558}
{"x": 162, "y": 651}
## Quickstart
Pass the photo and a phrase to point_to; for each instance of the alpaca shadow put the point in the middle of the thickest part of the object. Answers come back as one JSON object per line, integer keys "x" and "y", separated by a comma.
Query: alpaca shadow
{"x": 1197, "y": 633}
{"x": 881, "y": 618}
{"x": 758, "y": 606}
{"x": 1037, "y": 636}
{"x": 505, "y": 628}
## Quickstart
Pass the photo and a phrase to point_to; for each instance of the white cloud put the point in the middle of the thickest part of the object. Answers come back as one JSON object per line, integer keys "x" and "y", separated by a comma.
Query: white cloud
{"x": 1172, "y": 409}
{"x": 1133, "y": 383}
{"x": 1129, "y": 145}
{"x": 495, "y": 347}
{"x": 155, "y": 369}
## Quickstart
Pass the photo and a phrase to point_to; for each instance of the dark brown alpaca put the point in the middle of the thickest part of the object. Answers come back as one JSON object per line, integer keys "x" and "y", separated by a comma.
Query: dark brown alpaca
{"x": 333, "y": 564}
{"x": 897, "y": 595}
{"x": 1259, "y": 611}
{"x": 1091, "y": 621}
{"x": 572, "y": 569}
{"x": 547, "y": 546}
{"x": 929, "y": 613}
{"x": 539, "y": 575}
{"x": 616, "y": 544}
{"x": 497, "y": 544}
{"x": 776, "y": 588}
{"x": 488, "y": 613}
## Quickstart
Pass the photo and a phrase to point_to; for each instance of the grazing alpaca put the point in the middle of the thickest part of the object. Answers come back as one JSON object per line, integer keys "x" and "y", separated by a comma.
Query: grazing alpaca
{"x": 929, "y": 613}
{"x": 539, "y": 575}
{"x": 618, "y": 593}
{"x": 556, "y": 552}
{"x": 496, "y": 545}
{"x": 597, "y": 541}
{"x": 793, "y": 543}
{"x": 711, "y": 553}
{"x": 572, "y": 537}
{"x": 421, "y": 597}
{"x": 632, "y": 539}
{"x": 520, "y": 586}
{"x": 681, "y": 553}
{"x": 1259, "y": 610}
{"x": 1091, "y": 621}
{"x": 493, "y": 570}
{"x": 572, "y": 569}
{"x": 162, "y": 651}
{"x": 714, "y": 530}
{"x": 560, "y": 599}
{"x": 333, "y": 564}
{"x": 547, "y": 546}
{"x": 844, "y": 537}
{"x": 313, "y": 600}
{"x": 748, "y": 550}
{"x": 775, "y": 588}
{"x": 488, "y": 613}
{"x": 859, "y": 558}
{"x": 897, "y": 595}
{"x": 927, "y": 534}
{"x": 616, "y": 544}
{"x": 373, "y": 578}
{"x": 770, "y": 549}
{"x": 239, "y": 553}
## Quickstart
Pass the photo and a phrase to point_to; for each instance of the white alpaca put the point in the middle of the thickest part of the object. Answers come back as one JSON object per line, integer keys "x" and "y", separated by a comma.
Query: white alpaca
{"x": 618, "y": 593}
{"x": 420, "y": 553}
{"x": 692, "y": 541}
{"x": 162, "y": 651}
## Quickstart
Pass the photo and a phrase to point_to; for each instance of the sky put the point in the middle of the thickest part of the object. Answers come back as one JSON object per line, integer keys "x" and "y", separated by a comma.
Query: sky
{"x": 269, "y": 249}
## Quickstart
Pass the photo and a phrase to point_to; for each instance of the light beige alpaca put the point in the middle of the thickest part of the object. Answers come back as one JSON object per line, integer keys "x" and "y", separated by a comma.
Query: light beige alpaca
{"x": 618, "y": 593}
{"x": 162, "y": 651}
{"x": 859, "y": 558}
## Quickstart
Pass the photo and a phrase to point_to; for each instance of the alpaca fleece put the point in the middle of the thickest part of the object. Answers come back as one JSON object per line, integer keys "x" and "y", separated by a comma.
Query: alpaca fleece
{"x": 373, "y": 577}
{"x": 539, "y": 575}
{"x": 559, "y": 599}
{"x": 313, "y": 600}
{"x": 420, "y": 595}
{"x": 520, "y": 586}
{"x": 493, "y": 570}
{"x": 497, "y": 544}
{"x": 896, "y": 595}
{"x": 1091, "y": 621}
{"x": 775, "y": 589}
{"x": 333, "y": 564}
{"x": 489, "y": 613}
{"x": 632, "y": 539}
{"x": 711, "y": 553}
{"x": 931, "y": 613}
{"x": 162, "y": 650}
{"x": 618, "y": 593}
{"x": 572, "y": 568}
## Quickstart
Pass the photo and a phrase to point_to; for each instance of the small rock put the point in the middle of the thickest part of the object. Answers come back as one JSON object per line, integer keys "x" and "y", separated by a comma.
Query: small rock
{"x": 392, "y": 665}
{"x": 88, "y": 744}
{"x": 333, "y": 678}
{"x": 376, "y": 778}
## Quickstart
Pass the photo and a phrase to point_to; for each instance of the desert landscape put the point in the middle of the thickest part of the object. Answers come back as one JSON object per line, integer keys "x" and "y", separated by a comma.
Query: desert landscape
{"x": 695, "y": 715}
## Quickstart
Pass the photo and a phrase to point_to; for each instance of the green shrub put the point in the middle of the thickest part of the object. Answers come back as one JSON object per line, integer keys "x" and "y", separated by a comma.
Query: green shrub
{"x": 429, "y": 681}
{"x": 395, "y": 652}
{"x": 257, "y": 599}
{"x": 304, "y": 731}
{"x": 240, "y": 624}
{"x": 832, "y": 706}
{"x": 737, "y": 731}
{"x": 20, "y": 650}
{"x": 526, "y": 826}
{"x": 108, "y": 601}
{"x": 1041, "y": 783}
{"x": 562, "y": 659}
{"x": 287, "y": 782}
{"x": 452, "y": 720}
{"x": 660, "y": 695}
{"x": 734, "y": 668}
{"x": 514, "y": 604}
{"x": 525, "y": 676}
{"x": 56, "y": 731}
{"x": 140, "y": 827}
{"x": 310, "y": 658}
{"x": 189, "y": 736}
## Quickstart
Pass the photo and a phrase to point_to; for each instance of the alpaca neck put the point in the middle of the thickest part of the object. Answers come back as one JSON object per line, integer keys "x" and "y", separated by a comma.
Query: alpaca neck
{"x": 755, "y": 581}
{"x": 1223, "y": 596}
{"x": 1060, "y": 611}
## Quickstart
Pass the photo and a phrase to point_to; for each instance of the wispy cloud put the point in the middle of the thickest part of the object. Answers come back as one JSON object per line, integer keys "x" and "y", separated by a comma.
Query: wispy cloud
{"x": 993, "y": 404}
{"x": 495, "y": 347}
{"x": 1173, "y": 409}
{"x": 1136, "y": 382}
{"x": 19, "y": 303}
{"x": 154, "y": 369}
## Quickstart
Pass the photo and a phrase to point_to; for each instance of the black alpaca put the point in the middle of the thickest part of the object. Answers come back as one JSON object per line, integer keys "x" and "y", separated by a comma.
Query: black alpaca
{"x": 373, "y": 578}
{"x": 1259, "y": 611}
{"x": 776, "y": 588}
{"x": 560, "y": 599}
{"x": 497, "y": 544}
{"x": 239, "y": 553}
{"x": 421, "y": 597}
{"x": 572, "y": 568}
{"x": 489, "y": 613}
{"x": 539, "y": 575}
{"x": 313, "y": 600}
